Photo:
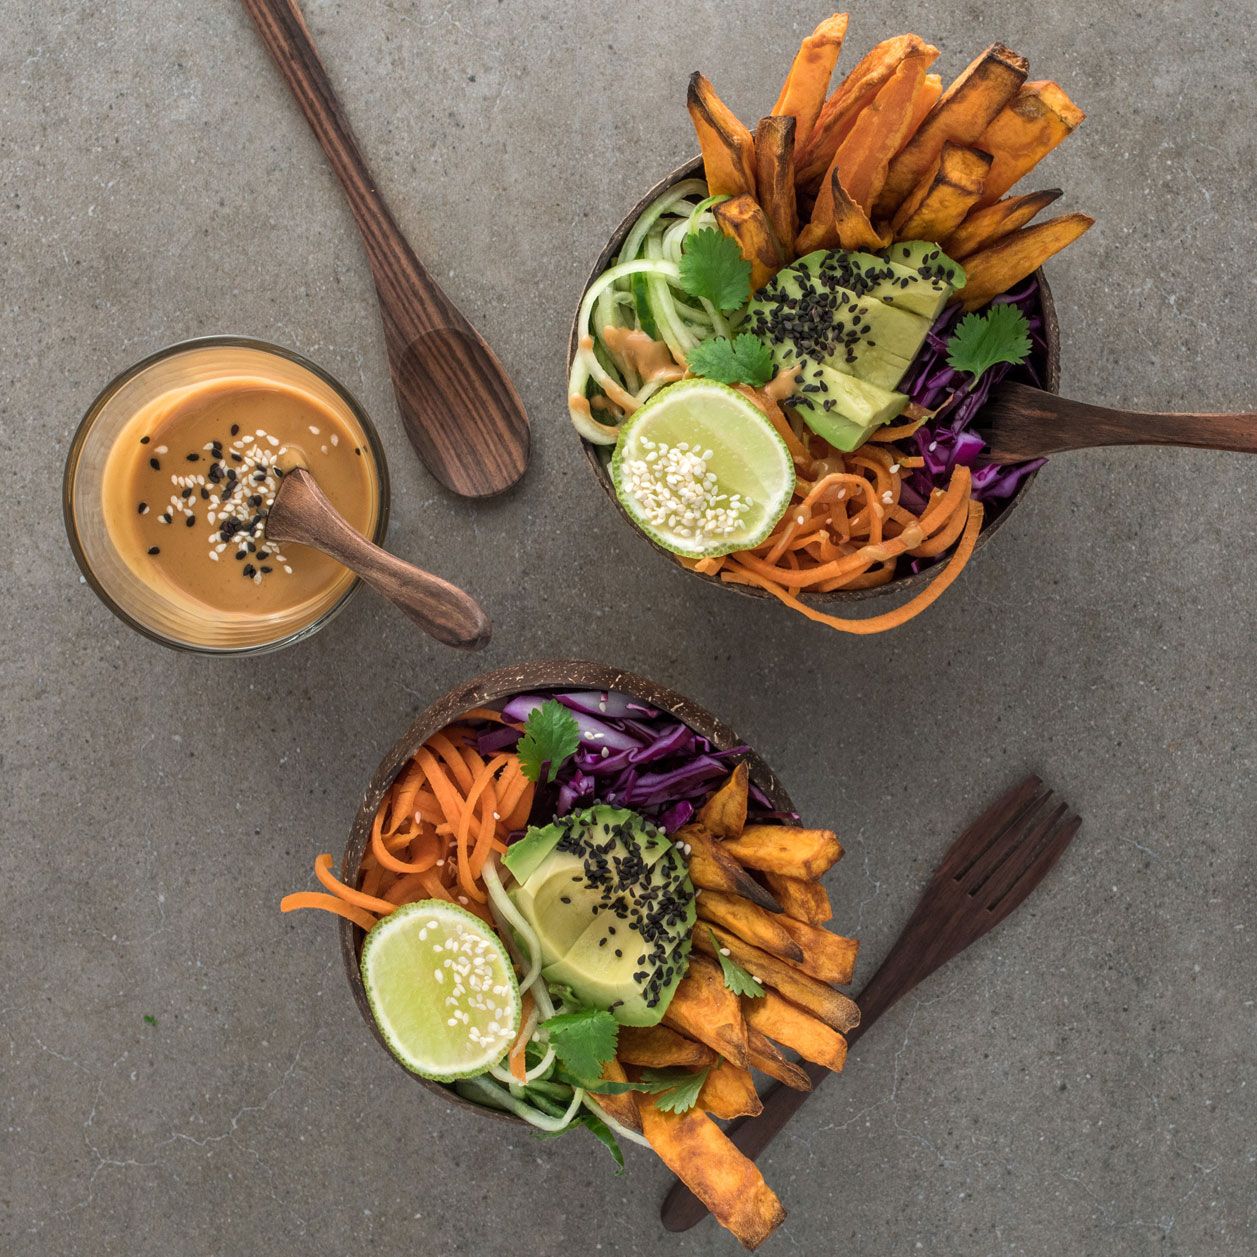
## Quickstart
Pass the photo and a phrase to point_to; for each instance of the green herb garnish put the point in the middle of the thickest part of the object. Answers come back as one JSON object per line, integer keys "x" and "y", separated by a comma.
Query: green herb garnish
{"x": 712, "y": 266}
{"x": 745, "y": 359}
{"x": 737, "y": 979}
{"x": 583, "y": 1041}
{"x": 149, "y": 1019}
{"x": 551, "y": 735}
{"x": 1002, "y": 334}
{"x": 597, "y": 1127}
{"x": 676, "y": 1093}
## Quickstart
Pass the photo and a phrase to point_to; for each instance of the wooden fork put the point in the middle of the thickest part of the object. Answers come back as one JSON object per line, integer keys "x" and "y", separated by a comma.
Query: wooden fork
{"x": 987, "y": 872}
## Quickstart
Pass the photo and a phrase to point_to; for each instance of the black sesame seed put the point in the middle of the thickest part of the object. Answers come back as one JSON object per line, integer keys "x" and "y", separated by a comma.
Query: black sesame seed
{"x": 143, "y": 508}
{"x": 249, "y": 570}
{"x": 144, "y": 440}
{"x": 154, "y": 464}
{"x": 235, "y": 429}
{"x": 190, "y": 522}
{"x": 194, "y": 458}
{"x": 154, "y": 549}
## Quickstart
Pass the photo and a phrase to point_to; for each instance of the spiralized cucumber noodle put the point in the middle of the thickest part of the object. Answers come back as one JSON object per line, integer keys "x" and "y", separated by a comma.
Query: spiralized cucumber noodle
{"x": 642, "y": 292}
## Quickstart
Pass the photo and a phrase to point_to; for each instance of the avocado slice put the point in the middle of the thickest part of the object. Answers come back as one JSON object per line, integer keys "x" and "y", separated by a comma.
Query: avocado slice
{"x": 842, "y": 408}
{"x": 605, "y": 873}
{"x": 808, "y": 311}
{"x": 904, "y": 287}
{"x": 927, "y": 260}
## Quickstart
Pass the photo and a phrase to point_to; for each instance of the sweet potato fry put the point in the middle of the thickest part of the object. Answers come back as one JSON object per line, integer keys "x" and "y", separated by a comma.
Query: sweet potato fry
{"x": 698, "y": 1152}
{"x": 984, "y": 226}
{"x": 724, "y": 814}
{"x": 803, "y": 92}
{"x": 1008, "y": 261}
{"x": 706, "y": 1010}
{"x": 804, "y": 900}
{"x": 751, "y": 923}
{"x": 744, "y": 220}
{"x": 947, "y": 193}
{"x": 874, "y": 69}
{"x": 774, "y": 176}
{"x": 729, "y": 1092}
{"x": 832, "y": 1007}
{"x": 926, "y": 98}
{"x": 728, "y": 150}
{"x": 786, "y": 849}
{"x": 1025, "y": 131}
{"x": 657, "y": 1047}
{"x": 810, "y": 1037}
{"x": 713, "y": 868}
{"x": 766, "y": 1056}
{"x": 880, "y": 130}
{"x": 829, "y": 957}
{"x": 963, "y": 112}
{"x": 849, "y": 226}
{"x": 620, "y": 1107}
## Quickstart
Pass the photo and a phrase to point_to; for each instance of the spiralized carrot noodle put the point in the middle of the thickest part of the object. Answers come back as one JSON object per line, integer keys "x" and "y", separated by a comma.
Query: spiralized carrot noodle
{"x": 847, "y": 526}
{"x": 446, "y": 812}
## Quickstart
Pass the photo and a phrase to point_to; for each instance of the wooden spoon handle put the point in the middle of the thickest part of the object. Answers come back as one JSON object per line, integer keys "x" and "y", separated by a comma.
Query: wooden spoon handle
{"x": 1044, "y": 423}
{"x": 283, "y": 28}
{"x": 303, "y": 514}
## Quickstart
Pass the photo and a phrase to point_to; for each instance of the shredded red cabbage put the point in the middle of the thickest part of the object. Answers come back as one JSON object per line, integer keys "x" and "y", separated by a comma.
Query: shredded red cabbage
{"x": 631, "y": 755}
{"x": 948, "y": 439}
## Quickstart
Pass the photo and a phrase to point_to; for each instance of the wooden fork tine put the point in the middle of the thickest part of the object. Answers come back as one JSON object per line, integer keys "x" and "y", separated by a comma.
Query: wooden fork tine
{"x": 1049, "y": 851}
{"x": 1031, "y": 833}
{"x": 976, "y": 840}
{"x": 1005, "y": 843}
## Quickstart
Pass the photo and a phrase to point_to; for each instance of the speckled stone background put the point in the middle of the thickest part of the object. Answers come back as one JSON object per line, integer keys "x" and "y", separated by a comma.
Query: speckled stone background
{"x": 1078, "y": 1083}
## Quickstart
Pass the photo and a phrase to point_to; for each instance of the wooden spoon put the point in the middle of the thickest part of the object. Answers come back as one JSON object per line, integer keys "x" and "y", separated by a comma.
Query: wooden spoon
{"x": 302, "y": 513}
{"x": 460, "y": 410}
{"x": 1021, "y": 422}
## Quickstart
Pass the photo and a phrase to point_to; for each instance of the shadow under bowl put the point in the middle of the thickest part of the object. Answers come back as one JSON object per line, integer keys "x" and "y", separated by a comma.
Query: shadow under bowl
{"x": 1047, "y": 362}
{"x": 495, "y": 687}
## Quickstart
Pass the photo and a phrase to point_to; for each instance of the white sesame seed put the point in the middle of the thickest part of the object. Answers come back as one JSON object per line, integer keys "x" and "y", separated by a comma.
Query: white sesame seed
{"x": 724, "y": 951}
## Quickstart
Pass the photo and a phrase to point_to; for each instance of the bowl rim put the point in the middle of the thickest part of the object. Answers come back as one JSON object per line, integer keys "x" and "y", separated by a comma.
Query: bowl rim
{"x": 490, "y": 687}
{"x": 106, "y": 394}
{"x": 911, "y": 583}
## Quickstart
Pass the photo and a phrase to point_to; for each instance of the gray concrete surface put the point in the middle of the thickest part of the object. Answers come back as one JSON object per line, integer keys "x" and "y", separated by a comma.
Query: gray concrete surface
{"x": 1077, "y": 1084}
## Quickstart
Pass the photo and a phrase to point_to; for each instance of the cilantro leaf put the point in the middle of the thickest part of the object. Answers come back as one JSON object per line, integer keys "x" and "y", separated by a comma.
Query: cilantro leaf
{"x": 1002, "y": 334}
{"x": 551, "y": 735}
{"x": 712, "y": 266}
{"x": 680, "y": 1091}
{"x": 745, "y": 359}
{"x": 583, "y": 1041}
{"x": 736, "y": 978}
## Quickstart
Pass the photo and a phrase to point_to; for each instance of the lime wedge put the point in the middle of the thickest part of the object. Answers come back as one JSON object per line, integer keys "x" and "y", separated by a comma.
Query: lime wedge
{"x": 701, "y": 470}
{"x": 441, "y": 989}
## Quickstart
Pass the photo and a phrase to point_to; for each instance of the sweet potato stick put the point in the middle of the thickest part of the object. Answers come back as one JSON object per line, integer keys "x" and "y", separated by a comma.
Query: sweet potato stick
{"x": 803, "y": 92}
{"x": 729, "y": 1091}
{"x": 728, "y": 150}
{"x": 724, "y": 814}
{"x": 1025, "y": 131}
{"x": 750, "y": 922}
{"x": 768, "y": 1059}
{"x": 986, "y": 224}
{"x": 786, "y": 849}
{"x": 698, "y": 1152}
{"x": 658, "y": 1047}
{"x": 945, "y": 196}
{"x": 713, "y": 868}
{"x": 744, "y": 220}
{"x": 774, "y": 176}
{"x": 1008, "y": 261}
{"x": 809, "y": 1036}
{"x": 706, "y": 1010}
{"x": 963, "y": 112}
{"x": 816, "y": 153}
{"x": 827, "y": 956}
{"x": 801, "y": 898}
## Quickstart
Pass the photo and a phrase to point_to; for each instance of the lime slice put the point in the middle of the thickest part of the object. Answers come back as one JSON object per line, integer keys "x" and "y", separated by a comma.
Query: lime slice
{"x": 441, "y": 989}
{"x": 701, "y": 470}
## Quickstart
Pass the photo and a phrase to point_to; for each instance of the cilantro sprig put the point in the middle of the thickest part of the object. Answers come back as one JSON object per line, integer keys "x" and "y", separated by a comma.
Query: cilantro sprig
{"x": 551, "y": 735}
{"x": 737, "y": 979}
{"x": 712, "y": 266}
{"x": 745, "y": 359}
{"x": 1002, "y": 334}
{"x": 584, "y": 1041}
{"x": 674, "y": 1093}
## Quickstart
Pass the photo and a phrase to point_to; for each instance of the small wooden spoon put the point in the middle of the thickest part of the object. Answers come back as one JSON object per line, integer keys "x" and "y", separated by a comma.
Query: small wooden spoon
{"x": 1021, "y": 422}
{"x": 302, "y": 513}
{"x": 461, "y": 412}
